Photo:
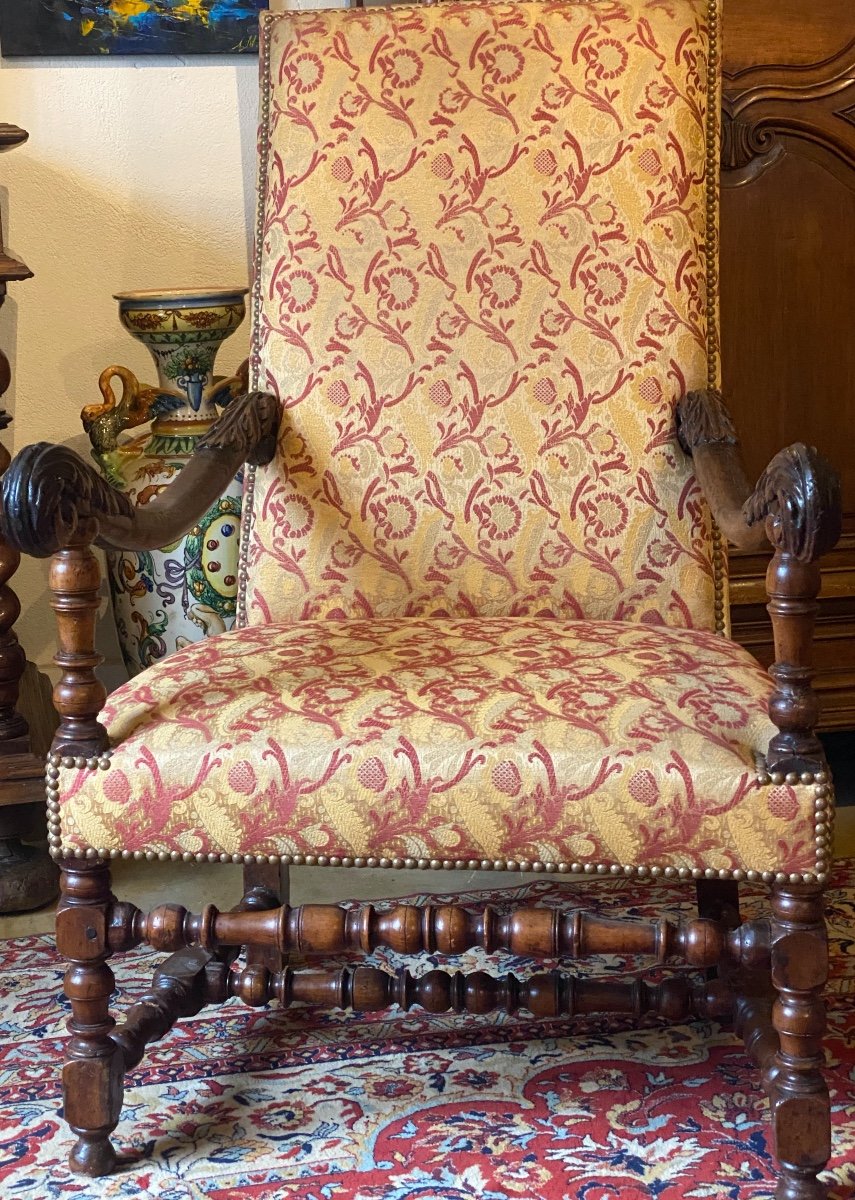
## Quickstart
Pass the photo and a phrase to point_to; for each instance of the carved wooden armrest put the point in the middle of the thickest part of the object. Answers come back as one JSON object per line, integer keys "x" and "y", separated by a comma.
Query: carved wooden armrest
{"x": 51, "y": 497}
{"x": 55, "y": 503}
{"x": 796, "y": 509}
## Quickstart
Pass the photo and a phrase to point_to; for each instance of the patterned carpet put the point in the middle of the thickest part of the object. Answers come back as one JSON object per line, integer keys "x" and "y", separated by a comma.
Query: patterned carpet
{"x": 248, "y": 1104}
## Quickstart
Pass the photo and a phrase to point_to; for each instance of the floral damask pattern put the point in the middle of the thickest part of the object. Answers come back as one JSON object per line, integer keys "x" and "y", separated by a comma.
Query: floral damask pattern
{"x": 497, "y": 739}
{"x": 481, "y": 289}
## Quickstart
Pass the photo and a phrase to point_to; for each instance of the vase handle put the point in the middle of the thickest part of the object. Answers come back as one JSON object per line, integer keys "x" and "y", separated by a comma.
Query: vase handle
{"x": 138, "y": 404}
{"x": 224, "y": 389}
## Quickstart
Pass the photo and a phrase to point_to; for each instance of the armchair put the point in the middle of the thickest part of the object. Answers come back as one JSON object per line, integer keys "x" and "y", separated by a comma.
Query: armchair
{"x": 483, "y": 606}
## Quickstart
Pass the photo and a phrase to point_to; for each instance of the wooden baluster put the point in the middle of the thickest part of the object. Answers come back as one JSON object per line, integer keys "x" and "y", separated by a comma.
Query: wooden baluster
{"x": 801, "y": 1112}
{"x": 13, "y": 661}
{"x": 546, "y": 994}
{"x": 261, "y": 883}
{"x": 718, "y": 900}
{"x": 28, "y": 876}
{"x": 13, "y": 727}
{"x": 753, "y": 1023}
{"x": 75, "y": 579}
{"x": 793, "y": 587}
{"x": 447, "y": 929}
{"x": 178, "y": 990}
{"x": 797, "y": 499}
{"x": 93, "y": 1075}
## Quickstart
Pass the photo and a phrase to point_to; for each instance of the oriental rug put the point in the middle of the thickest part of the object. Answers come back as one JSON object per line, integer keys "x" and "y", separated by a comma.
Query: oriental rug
{"x": 242, "y": 1104}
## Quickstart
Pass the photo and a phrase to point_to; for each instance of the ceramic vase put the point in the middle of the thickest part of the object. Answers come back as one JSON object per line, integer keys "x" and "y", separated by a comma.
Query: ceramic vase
{"x": 164, "y": 599}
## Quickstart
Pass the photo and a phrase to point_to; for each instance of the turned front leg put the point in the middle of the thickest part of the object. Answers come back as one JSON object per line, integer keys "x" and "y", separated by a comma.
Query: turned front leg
{"x": 801, "y": 1110}
{"x": 92, "y": 1078}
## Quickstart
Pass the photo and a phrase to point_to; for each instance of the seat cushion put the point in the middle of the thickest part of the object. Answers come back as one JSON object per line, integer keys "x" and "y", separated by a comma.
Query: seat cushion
{"x": 447, "y": 741}
{"x": 485, "y": 275}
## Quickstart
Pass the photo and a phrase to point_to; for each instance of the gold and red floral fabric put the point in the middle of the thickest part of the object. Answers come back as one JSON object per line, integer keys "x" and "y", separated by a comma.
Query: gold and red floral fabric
{"x": 481, "y": 288}
{"x": 449, "y": 739}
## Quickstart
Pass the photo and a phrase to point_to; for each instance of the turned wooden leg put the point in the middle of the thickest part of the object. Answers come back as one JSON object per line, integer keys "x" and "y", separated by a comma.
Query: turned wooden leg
{"x": 272, "y": 877}
{"x": 265, "y": 886}
{"x": 92, "y": 1076}
{"x": 801, "y": 1111}
{"x": 718, "y": 900}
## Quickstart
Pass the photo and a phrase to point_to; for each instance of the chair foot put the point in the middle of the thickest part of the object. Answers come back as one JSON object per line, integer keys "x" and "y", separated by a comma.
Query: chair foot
{"x": 92, "y": 1156}
{"x": 796, "y": 1184}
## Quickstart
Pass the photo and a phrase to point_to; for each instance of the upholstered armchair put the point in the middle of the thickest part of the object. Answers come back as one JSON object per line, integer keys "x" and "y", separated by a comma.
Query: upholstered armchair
{"x": 483, "y": 593}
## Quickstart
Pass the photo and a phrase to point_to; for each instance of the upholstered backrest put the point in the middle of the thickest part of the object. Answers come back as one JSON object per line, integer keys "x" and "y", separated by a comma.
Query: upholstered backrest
{"x": 485, "y": 275}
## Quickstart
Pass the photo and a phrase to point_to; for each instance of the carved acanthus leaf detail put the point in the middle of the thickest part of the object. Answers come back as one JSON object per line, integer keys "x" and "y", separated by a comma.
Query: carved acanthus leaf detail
{"x": 49, "y": 492}
{"x": 703, "y": 420}
{"x": 798, "y": 496}
{"x": 249, "y": 424}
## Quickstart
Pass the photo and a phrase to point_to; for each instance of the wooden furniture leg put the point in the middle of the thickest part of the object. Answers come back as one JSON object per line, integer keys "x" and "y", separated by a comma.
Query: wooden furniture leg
{"x": 265, "y": 886}
{"x": 92, "y": 1076}
{"x": 718, "y": 900}
{"x": 801, "y": 1110}
{"x": 269, "y": 877}
{"x": 28, "y": 877}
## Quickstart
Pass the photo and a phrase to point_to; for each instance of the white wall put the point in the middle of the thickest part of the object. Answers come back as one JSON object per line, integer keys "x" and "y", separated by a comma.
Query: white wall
{"x": 137, "y": 174}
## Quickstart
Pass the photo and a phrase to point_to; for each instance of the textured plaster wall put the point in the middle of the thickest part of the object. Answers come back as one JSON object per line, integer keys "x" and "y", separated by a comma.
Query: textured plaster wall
{"x": 137, "y": 174}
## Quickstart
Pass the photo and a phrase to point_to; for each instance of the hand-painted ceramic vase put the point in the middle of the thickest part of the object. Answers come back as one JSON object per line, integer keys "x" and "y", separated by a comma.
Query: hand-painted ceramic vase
{"x": 164, "y": 599}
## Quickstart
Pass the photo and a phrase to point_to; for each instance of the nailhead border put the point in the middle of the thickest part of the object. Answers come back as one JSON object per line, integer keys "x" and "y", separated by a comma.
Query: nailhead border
{"x": 719, "y": 548}
{"x": 823, "y": 789}
{"x": 823, "y": 838}
{"x": 248, "y": 501}
{"x": 823, "y": 792}
{"x": 711, "y": 259}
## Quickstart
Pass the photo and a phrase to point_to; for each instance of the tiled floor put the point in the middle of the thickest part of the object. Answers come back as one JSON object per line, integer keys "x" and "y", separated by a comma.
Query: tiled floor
{"x": 148, "y": 884}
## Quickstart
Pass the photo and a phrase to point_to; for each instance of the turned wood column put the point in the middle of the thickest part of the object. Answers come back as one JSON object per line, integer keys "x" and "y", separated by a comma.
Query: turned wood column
{"x": 75, "y": 584}
{"x": 28, "y": 878}
{"x": 93, "y": 1073}
{"x": 793, "y": 587}
{"x": 266, "y": 886}
{"x": 800, "y": 1103}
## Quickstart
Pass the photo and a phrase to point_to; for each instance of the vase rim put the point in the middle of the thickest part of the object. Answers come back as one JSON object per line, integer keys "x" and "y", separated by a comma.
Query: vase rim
{"x": 167, "y": 295}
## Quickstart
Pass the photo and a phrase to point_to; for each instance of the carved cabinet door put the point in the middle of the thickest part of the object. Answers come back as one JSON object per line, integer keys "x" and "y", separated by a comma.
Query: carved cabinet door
{"x": 788, "y": 283}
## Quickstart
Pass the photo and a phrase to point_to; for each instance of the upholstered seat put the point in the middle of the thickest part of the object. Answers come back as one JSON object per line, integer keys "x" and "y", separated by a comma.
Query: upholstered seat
{"x": 514, "y": 740}
{"x": 482, "y": 597}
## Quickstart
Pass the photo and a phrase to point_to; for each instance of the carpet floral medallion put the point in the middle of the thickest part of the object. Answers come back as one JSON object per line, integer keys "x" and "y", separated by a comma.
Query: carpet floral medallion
{"x": 242, "y": 1104}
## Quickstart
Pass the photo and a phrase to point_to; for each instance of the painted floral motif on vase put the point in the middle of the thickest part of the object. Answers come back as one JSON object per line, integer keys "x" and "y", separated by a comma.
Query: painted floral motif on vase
{"x": 167, "y": 598}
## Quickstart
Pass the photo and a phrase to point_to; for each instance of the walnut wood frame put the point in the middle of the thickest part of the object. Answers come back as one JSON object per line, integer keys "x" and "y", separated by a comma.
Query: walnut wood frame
{"x": 766, "y": 975}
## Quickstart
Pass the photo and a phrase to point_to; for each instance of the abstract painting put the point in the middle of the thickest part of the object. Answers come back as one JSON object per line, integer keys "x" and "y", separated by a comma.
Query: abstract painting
{"x": 107, "y": 27}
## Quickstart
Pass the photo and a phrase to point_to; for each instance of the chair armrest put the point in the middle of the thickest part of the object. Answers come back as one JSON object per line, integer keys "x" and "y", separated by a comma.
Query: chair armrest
{"x": 796, "y": 504}
{"x": 55, "y": 503}
{"x": 50, "y": 495}
{"x": 796, "y": 509}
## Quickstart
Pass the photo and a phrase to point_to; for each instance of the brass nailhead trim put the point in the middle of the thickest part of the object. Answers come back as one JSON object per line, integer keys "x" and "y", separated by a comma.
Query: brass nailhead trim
{"x": 248, "y": 501}
{"x": 822, "y": 789}
{"x": 823, "y": 821}
{"x": 268, "y": 20}
{"x": 711, "y": 259}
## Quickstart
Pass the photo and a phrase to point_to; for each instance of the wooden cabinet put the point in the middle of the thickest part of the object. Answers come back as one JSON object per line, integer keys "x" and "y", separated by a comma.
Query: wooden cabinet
{"x": 788, "y": 284}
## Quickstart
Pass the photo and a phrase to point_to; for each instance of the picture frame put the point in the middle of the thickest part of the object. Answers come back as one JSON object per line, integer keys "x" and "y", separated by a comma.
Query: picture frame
{"x": 106, "y": 28}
